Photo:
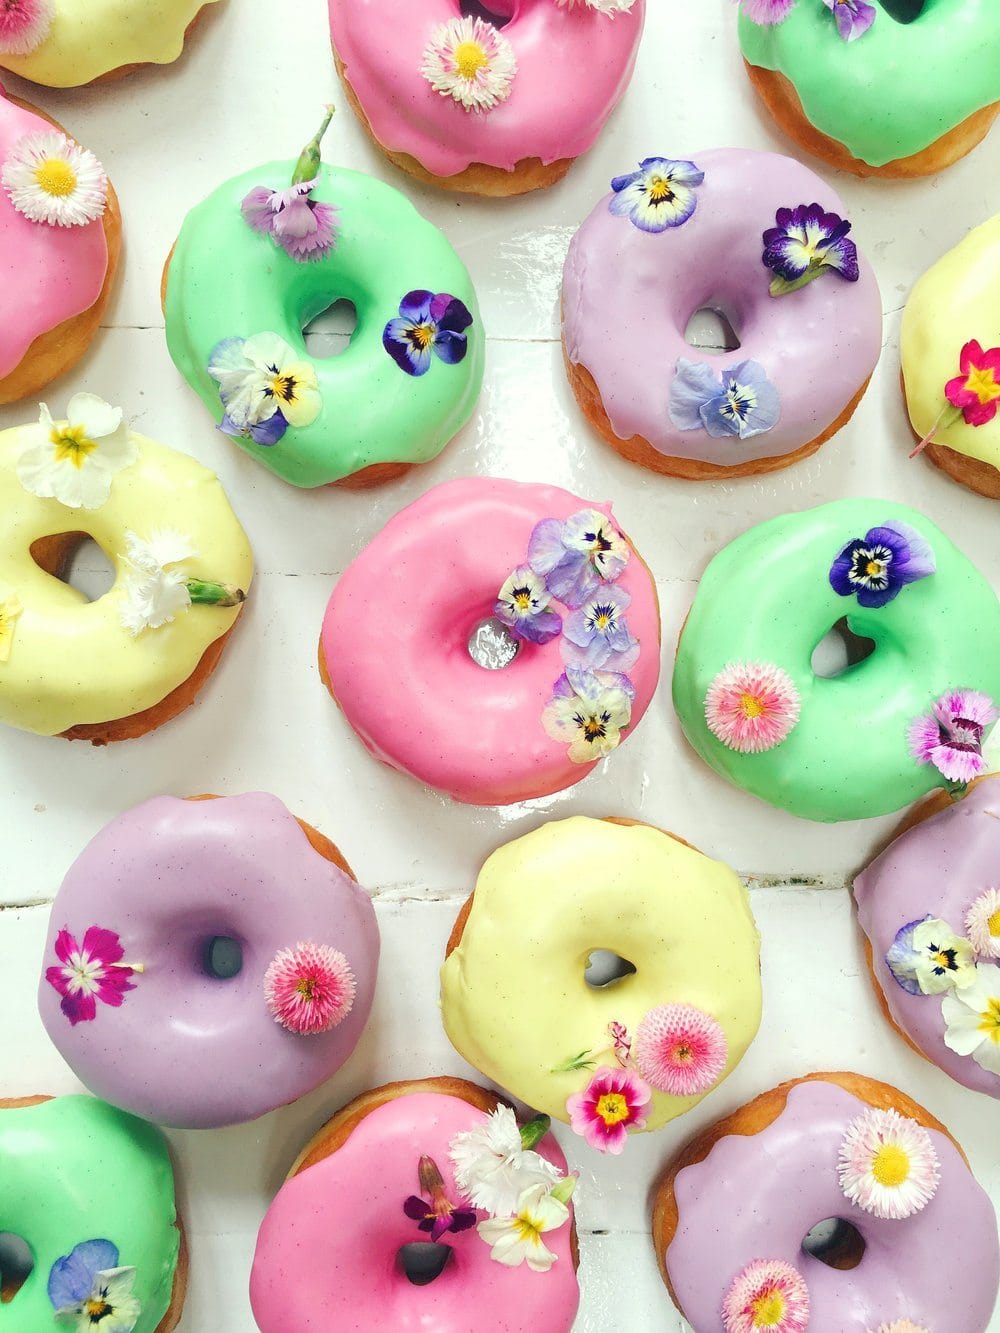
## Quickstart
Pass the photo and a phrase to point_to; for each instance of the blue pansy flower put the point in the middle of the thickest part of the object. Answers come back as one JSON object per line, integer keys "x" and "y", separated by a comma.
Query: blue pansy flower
{"x": 262, "y": 432}
{"x": 877, "y": 566}
{"x": 740, "y": 400}
{"x": 806, "y": 243}
{"x": 659, "y": 195}
{"x": 597, "y": 635}
{"x": 89, "y": 1290}
{"x": 523, "y": 606}
{"x": 428, "y": 325}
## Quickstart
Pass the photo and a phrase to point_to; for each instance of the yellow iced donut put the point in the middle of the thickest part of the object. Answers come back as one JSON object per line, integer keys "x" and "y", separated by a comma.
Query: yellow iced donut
{"x": 626, "y": 1056}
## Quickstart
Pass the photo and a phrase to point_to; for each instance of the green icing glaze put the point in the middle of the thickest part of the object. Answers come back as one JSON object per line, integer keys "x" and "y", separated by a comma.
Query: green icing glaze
{"x": 74, "y": 1169}
{"x": 897, "y": 88}
{"x": 226, "y": 281}
{"x": 767, "y": 598}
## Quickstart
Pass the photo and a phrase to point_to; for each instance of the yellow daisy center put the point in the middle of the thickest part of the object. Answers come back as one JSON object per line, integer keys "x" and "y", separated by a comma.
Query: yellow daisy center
{"x": 751, "y": 705}
{"x": 660, "y": 190}
{"x": 55, "y": 176}
{"x": 306, "y": 987}
{"x": 612, "y": 1108}
{"x": 527, "y": 1228}
{"x": 72, "y": 445}
{"x": 768, "y": 1309}
{"x": 989, "y": 1019}
{"x": 982, "y": 382}
{"x": 874, "y": 568}
{"x": 993, "y": 924}
{"x": 470, "y": 58}
{"x": 891, "y": 1165}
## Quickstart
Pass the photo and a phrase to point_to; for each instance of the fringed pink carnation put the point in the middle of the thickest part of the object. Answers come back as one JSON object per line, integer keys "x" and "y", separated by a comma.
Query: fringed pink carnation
{"x": 680, "y": 1049}
{"x": 24, "y": 25}
{"x": 951, "y": 736}
{"x": 769, "y": 13}
{"x": 310, "y": 988}
{"x": 751, "y": 706}
{"x": 769, "y": 1294}
{"x": 305, "y": 228}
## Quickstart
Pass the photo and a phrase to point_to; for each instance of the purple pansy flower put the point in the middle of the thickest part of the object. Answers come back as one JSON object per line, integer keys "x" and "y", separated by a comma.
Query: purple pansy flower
{"x": 659, "y": 195}
{"x": 575, "y": 556}
{"x": 596, "y": 635}
{"x": 427, "y": 324}
{"x": 768, "y": 13}
{"x": 89, "y": 972}
{"x": 261, "y": 432}
{"x": 880, "y": 564}
{"x": 304, "y": 228}
{"x": 854, "y": 17}
{"x": 806, "y": 243}
{"x": 523, "y": 606}
{"x": 951, "y": 736}
{"x": 436, "y": 1214}
{"x": 740, "y": 401}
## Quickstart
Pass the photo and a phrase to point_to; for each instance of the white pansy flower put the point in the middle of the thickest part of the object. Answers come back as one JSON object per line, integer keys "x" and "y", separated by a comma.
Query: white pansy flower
{"x": 517, "y": 1239}
{"x": 110, "y": 1306}
{"x": 75, "y": 461}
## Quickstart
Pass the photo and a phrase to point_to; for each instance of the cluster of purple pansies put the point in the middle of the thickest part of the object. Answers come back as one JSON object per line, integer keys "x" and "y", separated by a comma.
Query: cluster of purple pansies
{"x": 951, "y": 735}
{"x": 89, "y": 971}
{"x": 738, "y": 401}
{"x": 428, "y": 325}
{"x": 806, "y": 243}
{"x": 436, "y": 1213}
{"x": 660, "y": 195}
{"x": 876, "y": 567}
{"x": 853, "y": 17}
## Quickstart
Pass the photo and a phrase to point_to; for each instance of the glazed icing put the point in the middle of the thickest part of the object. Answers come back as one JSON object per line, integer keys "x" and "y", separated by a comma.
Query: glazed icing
{"x": 940, "y": 633}
{"x": 406, "y": 682}
{"x": 49, "y": 274}
{"x": 75, "y": 1169}
{"x": 543, "y": 903}
{"x": 313, "y": 1270}
{"x": 758, "y": 1195}
{"x": 226, "y": 280}
{"x": 871, "y": 94}
{"x": 71, "y": 661}
{"x": 956, "y": 300}
{"x": 936, "y": 869}
{"x": 573, "y": 67}
{"x": 185, "y": 1048}
{"x": 89, "y": 38}
{"x": 817, "y": 345}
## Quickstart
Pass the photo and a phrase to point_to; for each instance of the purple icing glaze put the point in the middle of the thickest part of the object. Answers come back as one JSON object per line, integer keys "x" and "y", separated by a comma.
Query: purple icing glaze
{"x": 185, "y": 1048}
{"x": 757, "y": 1197}
{"x": 936, "y": 869}
{"x": 628, "y": 296}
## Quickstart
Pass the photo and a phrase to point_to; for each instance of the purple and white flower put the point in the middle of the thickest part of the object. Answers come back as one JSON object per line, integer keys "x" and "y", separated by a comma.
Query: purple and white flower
{"x": 768, "y": 13}
{"x": 576, "y": 556}
{"x": 523, "y": 606}
{"x": 89, "y": 971}
{"x": 877, "y": 566}
{"x": 303, "y": 227}
{"x": 428, "y": 325}
{"x": 928, "y": 958}
{"x": 660, "y": 195}
{"x": 806, "y": 243}
{"x": 89, "y": 1290}
{"x": 740, "y": 401}
{"x": 265, "y": 387}
{"x": 596, "y": 634}
{"x": 854, "y": 17}
{"x": 588, "y": 711}
{"x": 951, "y": 736}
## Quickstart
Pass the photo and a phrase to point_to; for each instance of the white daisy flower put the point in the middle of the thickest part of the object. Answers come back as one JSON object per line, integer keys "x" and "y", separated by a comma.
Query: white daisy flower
{"x": 900, "y": 1326}
{"x": 492, "y": 1168}
{"x": 49, "y": 178}
{"x": 609, "y": 7}
{"x": 155, "y": 589}
{"x": 518, "y": 1239}
{"x": 982, "y": 924}
{"x": 887, "y": 1164}
{"x": 470, "y": 60}
{"x": 973, "y": 1019}
{"x": 75, "y": 461}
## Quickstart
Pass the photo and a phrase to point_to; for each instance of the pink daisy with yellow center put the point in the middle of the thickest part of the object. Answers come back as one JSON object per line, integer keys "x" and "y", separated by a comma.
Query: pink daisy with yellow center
{"x": 680, "y": 1049}
{"x": 751, "y": 706}
{"x": 310, "y": 988}
{"x": 24, "y": 25}
{"x": 768, "y": 1294}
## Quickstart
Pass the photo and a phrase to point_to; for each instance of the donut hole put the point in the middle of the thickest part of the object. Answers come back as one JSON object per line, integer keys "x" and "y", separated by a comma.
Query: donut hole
{"x": 840, "y": 650}
{"x": 606, "y": 968}
{"x": 74, "y": 558}
{"x": 423, "y": 1260}
{"x": 835, "y": 1243}
{"x": 710, "y": 329}
{"x": 222, "y": 957}
{"x": 330, "y": 332}
{"x": 497, "y": 12}
{"x": 903, "y": 11}
{"x": 492, "y": 646}
{"x": 16, "y": 1264}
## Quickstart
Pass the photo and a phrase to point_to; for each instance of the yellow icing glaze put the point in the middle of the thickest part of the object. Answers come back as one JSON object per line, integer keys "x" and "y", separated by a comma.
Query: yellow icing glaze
{"x": 956, "y": 300}
{"x": 514, "y": 1000}
{"x": 89, "y": 38}
{"x": 71, "y": 661}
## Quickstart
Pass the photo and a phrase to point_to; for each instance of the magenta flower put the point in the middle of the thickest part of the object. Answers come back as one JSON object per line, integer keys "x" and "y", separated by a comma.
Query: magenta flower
{"x": 310, "y": 988}
{"x": 751, "y": 706}
{"x": 769, "y": 13}
{"x": 304, "y": 228}
{"x": 951, "y": 736}
{"x": 620, "y": 1040}
{"x": 24, "y": 25}
{"x": 436, "y": 1214}
{"x": 89, "y": 972}
{"x": 680, "y": 1049}
{"x": 854, "y": 17}
{"x": 768, "y": 1294}
{"x": 613, "y": 1102}
{"x": 977, "y": 389}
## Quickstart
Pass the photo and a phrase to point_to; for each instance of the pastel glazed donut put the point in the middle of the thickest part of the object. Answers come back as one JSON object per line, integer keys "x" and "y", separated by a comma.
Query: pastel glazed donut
{"x": 574, "y": 619}
{"x": 117, "y": 667}
{"x": 239, "y": 288}
{"x": 91, "y": 1192}
{"x": 950, "y": 345}
{"x": 721, "y": 232}
{"x": 310, "y": 1271}
{"x": 128, "y": 992}
{"x": 59, "y": 248}
{"x": 68, "y": 43}
{"x": 731, "y": 1214}
{"x": 606, "y": 1059}
{"x": 499, "y": 102}
{"x": 754, "y": 709}
{"x": 929, "y": 907}
{"x": 823, "y": 72}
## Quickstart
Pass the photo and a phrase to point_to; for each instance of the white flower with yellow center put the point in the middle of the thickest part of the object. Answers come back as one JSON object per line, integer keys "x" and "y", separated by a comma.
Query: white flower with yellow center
{"x": 888, "y": 1165}
{"x": 982, "y": 924}
{"x": 470, "y": 60}
{"x": 973, "y": 1019}
{"x": 49, "y": 178}
{"x": 110, "y": 1305}
{"x": 10, "y": 609}
{"x": 518, "y": 1239}
{"x": 261, "y": 376}
{"x": 75, "y": 461}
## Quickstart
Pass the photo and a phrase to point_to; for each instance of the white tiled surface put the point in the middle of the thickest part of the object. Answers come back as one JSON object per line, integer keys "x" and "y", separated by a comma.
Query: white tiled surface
{"x": 249, "y": 89}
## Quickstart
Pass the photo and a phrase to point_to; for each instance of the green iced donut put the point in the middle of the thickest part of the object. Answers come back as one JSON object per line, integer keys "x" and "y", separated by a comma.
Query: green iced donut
{"x": 89, "y": 1189}
{"x": 834, "y": 748}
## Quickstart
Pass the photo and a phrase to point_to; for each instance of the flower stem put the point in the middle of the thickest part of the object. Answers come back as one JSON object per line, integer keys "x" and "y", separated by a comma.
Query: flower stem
{"x": 215, "y": 594}
{"x": 946, "y": 417}
{"x": 534, "y": 1131}
{"x": 956, "y": 790}
{"x": 563, "y": 1190}
{"x": 307, "y": 167}
{"x": 782, "y": 286}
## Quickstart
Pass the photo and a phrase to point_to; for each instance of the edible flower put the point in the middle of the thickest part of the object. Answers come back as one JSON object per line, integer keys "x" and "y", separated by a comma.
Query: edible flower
{"x": 89, "y": 1290}
{"x": 494, "y": 1162}
{"x": 608, "y": 7}
{"x": 76, "y": 461}
{"x": 613, "y": 1102}
{"x": 589, "y": 710}
{"x": 436, "y": 1213}
{"x": 976, "y": 390}
{"x": 310, "y": 988}
{"x": 972, "y": 1018}
{"x": 951, "y": 736}
{"x": 90, "y": 971}
{"x": 427, "y": 324}
{"x": 660, "y": 195}
{"x": 51, "y": 179}
{"x": 265, "y": 387}
{"x": 24, "y": 25}
{"x": 596, "y": 635}
{"x": 10, "y": 610}
{"x": 751, "y": 706}
{"x": 768, "y": 1294}
{"x": 577, "y": 555}
{"x": 807, "y": 243}
{"x": 303, "y": 227}
{"x": 523, "y": 606}
{"x": 518, "y": 1239}
{"x": 901, "y": 1326}
{"x": 768, "y": 13}
{"x": 680, "y": 1049}
{"x": 927, "y": 958}
{"x": 887, "y": 1164}
{"x": 854, "y": 17}
{"x": 155, "y": 587}
{"x": 982, "y": 924}
{"x": 739, "y": 401}
{"x": 470, "y": 60}
{"x": 877, "y": 566}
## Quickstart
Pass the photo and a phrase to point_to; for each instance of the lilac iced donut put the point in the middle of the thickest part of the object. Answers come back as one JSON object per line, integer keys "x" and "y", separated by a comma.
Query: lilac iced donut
{"x": 208, "y": 960}
{"x": 757, "y": 237}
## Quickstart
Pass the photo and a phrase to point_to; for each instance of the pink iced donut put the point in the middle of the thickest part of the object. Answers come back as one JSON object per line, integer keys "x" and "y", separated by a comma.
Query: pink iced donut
{"x": 332, "y": 1248}
{"x": 500, "y": 104}
{"x": 548, "y": 585}
{"x": 131, "y": 992}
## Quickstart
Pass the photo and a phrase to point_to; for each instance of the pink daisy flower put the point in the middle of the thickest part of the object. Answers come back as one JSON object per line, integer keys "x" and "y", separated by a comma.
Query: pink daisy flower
{"x": 89, "y": 972}
{"x": 768, "y": 1294}
{"x": 768, "y": 12}
{"x": 751, "y": 706}
{"x": 310, "y": 988}
{"x": 951, "y": 736}
{"x": 24, "y": 25}
{"x": 613, "y": 1102}
{"x": 680, "y": 1049}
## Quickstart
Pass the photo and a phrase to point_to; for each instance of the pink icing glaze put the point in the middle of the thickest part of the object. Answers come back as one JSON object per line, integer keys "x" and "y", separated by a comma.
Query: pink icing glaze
{"x": 185, "y": 1048}
{"x": 628, "y": 296}
{"x": 48, "y": 274}
{"x": 326, "y": 1252}
{"x": 573, "y": 67}
{"x": 395, "y": 643}
{"x": 936, "y": 869}
{"x": 758, "y": 1196}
